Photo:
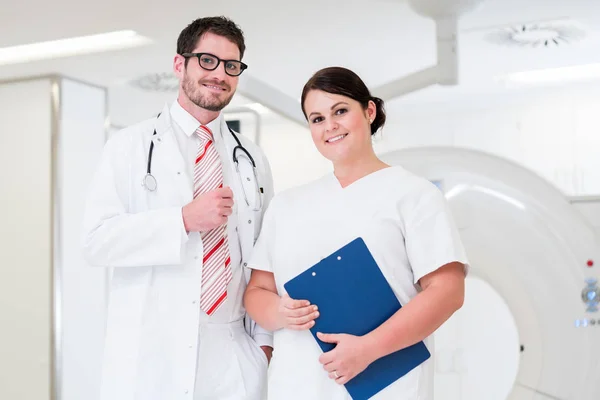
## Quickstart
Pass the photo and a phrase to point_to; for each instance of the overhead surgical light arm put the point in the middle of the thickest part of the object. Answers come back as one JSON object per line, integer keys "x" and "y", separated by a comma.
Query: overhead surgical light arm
{"x": 445, "y": 72}
{"x": 272, "y": 98}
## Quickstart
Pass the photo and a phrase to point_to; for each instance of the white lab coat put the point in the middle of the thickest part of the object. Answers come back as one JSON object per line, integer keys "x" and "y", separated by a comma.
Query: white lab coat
{"x": 153, "y": 313}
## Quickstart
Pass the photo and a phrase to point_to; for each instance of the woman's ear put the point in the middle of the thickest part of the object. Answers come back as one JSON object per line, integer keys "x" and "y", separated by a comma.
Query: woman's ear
{"x": 371, "y": 111}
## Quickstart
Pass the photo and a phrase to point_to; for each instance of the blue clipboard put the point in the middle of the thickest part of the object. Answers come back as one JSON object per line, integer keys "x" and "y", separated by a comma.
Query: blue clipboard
{"x": 354, "y": 297}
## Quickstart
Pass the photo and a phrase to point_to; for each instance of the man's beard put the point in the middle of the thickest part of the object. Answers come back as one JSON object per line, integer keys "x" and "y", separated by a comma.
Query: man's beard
{"x": 208, "y": 102}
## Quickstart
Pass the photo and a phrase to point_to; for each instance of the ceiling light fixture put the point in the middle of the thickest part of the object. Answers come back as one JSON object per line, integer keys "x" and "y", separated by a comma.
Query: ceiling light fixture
{"x": 71, "y": 47}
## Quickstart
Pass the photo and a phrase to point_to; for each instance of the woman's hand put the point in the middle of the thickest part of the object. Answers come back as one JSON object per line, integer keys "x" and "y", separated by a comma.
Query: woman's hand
{"x": 296, "y": 314}
{"x": 349, "y": 357}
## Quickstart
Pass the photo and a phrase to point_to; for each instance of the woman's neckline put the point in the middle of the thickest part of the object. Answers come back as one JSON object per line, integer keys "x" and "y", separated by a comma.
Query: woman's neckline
{"x": 361, "y": 178}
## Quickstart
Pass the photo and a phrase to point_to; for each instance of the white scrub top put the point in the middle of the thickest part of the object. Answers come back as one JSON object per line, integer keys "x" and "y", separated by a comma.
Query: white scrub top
{"x": 406, "y": 224}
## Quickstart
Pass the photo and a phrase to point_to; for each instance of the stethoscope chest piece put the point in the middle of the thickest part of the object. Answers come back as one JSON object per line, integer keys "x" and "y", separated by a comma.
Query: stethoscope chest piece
{"x": 149, "y": 182}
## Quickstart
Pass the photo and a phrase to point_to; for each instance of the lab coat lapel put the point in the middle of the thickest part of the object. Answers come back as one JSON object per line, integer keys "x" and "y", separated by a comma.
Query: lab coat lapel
{"x": 167, "y": 156}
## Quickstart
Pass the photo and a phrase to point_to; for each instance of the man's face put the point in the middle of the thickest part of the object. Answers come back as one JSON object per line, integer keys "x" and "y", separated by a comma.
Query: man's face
{"x": 211, "y": 90}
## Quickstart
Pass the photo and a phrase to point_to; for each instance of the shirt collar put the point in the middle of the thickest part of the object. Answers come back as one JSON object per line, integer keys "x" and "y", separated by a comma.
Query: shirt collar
{"x": 189, "y": 124}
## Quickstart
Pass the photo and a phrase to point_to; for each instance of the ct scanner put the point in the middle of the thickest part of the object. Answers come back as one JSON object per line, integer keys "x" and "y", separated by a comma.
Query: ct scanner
{"x": 527, "y": 241}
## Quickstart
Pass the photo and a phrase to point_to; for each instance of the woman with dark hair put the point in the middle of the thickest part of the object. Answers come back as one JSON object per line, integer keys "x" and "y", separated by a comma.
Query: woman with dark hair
{"x": 404, "y": 221}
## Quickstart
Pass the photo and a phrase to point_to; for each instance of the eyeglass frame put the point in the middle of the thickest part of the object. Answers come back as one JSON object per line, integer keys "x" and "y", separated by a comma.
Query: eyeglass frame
{"x": 243, "y": 66}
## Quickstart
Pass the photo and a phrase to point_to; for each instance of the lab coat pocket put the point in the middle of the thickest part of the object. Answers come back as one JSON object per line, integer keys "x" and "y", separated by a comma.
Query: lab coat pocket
{"x": 253, "y": 362}
{"x": 220, "y": 372}
{"x": 261, "y": 354}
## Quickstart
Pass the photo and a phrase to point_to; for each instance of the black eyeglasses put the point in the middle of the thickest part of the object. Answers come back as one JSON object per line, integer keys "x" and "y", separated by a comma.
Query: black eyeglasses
{"x": 210, "y": 62}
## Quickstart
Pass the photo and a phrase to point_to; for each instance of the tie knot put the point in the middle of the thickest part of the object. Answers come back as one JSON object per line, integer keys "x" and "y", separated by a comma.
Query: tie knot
{"x": 204, "y": 133}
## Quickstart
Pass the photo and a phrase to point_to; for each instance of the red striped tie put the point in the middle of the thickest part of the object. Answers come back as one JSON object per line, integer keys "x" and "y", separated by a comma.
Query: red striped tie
{"x": 216, "y": 271}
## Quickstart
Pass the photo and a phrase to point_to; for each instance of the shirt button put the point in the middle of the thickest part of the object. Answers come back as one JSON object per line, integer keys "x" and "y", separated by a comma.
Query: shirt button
{"x": 186, "y": 392}
{"x": 249, "y": 221}
{"x": 196, "y": 257}
{"x": 245, "y": 264}
{"x": 193, "y": 301}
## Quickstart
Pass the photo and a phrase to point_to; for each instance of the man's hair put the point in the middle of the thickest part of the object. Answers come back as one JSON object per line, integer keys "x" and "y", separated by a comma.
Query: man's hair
{"x": 221, "y": 26}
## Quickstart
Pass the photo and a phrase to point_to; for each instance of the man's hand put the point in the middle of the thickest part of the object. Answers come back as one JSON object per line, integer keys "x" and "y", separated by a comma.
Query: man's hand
{"x": 208, "y": 211}
{"x": 268, "y": 352}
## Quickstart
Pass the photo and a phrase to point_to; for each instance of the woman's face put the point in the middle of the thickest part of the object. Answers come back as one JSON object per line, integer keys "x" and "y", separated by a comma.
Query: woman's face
{"x": 339, "y": 125}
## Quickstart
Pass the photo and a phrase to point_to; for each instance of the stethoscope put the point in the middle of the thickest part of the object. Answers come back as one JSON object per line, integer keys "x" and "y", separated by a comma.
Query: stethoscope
{"x": 149, "y": 182}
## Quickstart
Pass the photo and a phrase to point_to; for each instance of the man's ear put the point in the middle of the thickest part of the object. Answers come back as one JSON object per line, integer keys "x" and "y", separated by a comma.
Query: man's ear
{"x": 179, "y": 66}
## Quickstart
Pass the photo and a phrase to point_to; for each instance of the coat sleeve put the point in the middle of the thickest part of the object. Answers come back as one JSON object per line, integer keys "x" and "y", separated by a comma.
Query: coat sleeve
{"x": 261, "y": 336}
{"x": 114, "y": 237}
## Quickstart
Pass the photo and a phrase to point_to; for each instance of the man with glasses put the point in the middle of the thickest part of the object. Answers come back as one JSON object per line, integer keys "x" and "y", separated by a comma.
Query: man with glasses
{"x": 176, "y": 326}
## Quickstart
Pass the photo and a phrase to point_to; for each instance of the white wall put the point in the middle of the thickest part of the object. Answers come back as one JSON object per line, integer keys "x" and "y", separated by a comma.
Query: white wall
{"x": 26, "y": 240}
{"x": 554, "y": 132}
{"x": 292, "y": 154}
{"x": 82, "y": 287}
